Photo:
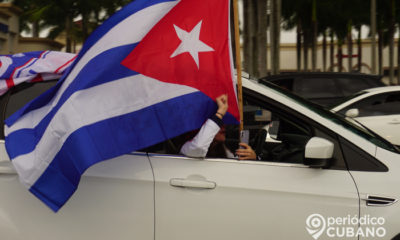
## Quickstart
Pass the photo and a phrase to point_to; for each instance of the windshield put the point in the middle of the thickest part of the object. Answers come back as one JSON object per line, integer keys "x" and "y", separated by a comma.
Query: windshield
{"x": 368, "y": 135}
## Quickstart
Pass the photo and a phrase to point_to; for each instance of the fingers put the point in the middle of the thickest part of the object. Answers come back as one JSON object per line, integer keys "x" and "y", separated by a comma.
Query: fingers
{"x": 245, "y": 145}
{"x": 246, "y": 153}
{"x": 222, "y": 102}
{"x": 246, "y": 158}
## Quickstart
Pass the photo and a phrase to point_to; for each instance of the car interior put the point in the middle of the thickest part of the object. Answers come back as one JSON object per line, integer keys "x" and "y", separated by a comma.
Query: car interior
{"x": 273, "y": 136}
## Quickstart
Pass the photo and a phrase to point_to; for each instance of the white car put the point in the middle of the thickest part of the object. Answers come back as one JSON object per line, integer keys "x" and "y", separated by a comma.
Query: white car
{"x": 377, "y": 109}
{"x": 319, "y": 179}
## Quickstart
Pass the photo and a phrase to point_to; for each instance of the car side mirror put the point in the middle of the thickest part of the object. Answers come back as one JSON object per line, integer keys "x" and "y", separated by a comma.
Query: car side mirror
{"x": 352, "y": 113}
{"x": 318, "y": 152}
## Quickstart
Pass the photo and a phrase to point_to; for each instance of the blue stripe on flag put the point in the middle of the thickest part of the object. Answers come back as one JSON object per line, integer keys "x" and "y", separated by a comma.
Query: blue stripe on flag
{"x": 107, "y": 139}
{"x": 96, "y": 72}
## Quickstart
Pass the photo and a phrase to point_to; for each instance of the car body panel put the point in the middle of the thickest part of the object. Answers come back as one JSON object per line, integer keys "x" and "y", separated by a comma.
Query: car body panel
{"x": 252, "y": 200}
{"x": 381, "y": 184}
{"x": 386, "y": 126}
{"x": 114, "y": 199}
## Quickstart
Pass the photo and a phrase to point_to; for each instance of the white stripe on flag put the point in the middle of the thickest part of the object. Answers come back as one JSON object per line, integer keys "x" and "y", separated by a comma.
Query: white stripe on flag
{"x": 139, "y": 24}
{"x": 89, "y": 106}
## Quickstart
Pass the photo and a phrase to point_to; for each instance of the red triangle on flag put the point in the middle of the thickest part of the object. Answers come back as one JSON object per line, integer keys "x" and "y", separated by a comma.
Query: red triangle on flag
{"x": 190, "y": 46}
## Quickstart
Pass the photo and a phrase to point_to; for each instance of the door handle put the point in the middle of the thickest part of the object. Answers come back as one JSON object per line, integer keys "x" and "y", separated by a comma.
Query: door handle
{"x": 186, "y": 183}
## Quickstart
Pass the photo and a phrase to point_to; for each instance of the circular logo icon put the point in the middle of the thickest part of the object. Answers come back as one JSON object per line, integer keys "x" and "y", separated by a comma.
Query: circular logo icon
{"x": 315, "y": 225}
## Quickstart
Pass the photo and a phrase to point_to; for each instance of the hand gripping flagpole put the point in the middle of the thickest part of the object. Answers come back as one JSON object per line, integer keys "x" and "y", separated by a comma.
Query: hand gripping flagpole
{"x": 238, "y": 62}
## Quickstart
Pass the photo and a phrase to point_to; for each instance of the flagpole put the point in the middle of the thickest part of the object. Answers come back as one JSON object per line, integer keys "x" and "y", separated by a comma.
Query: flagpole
{"x": 238, "y": 62}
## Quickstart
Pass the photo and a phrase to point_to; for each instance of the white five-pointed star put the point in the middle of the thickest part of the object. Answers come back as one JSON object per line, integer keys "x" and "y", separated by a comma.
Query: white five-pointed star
{"x": 191, "y": 43}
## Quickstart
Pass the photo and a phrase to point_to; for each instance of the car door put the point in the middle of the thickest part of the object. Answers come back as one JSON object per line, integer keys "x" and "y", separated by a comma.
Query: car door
{"x": 114, "y": 198}
{"x": 216, "y": 198}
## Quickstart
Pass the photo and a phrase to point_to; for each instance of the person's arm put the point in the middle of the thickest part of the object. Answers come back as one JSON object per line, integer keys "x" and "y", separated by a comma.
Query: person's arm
{"x": 198, "y": 146}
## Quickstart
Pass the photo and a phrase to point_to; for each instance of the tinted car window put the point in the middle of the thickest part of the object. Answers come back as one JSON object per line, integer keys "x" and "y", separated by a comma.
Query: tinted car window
{"x": 19, "y": 96}
{"x": 333, "y": 88}
{"x": 25, "y": 94}
{"x": 377, "y": 105}
{"x": 352, "y": 85}
{"x": 317, "y": 88}
{"x": 286, "y": 83}
{"x": 358, "y": 160}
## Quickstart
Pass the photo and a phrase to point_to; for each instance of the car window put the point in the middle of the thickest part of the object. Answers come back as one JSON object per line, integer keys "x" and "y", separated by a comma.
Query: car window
{"x": 317, "y": 88}
{"x": 21, "y": 95}
{"x": 358, "y": 160}
{"x": 374, "y": 82}
{"x": 377, "y": 105}
{"x": 286, "y": 83}
{"x": 352, "y": 85}
{"x": 287, "y": 132}
{"x": 275, "y": 136}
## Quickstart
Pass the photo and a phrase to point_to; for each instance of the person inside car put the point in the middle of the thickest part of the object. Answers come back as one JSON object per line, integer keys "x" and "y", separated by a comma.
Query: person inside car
{"x": 210, "y": 140}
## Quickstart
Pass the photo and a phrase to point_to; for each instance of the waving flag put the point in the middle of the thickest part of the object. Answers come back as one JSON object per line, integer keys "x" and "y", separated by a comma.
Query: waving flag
{"x": 149, "y": 73}
{"x": 32, "y": 67}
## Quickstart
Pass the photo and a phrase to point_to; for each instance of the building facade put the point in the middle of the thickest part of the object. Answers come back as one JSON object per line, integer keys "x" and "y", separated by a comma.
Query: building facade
{"x": 10, "y": 40}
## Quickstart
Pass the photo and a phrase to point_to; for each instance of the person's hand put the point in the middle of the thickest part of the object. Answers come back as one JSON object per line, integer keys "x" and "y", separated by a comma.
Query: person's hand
{"x": 222, "y": 102}
{"x": 246, "y": 153}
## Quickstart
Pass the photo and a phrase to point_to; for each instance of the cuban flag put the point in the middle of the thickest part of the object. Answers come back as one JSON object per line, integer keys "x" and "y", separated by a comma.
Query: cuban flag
{"x": 149, "y": 73}
{"x": 32, "y": 67}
